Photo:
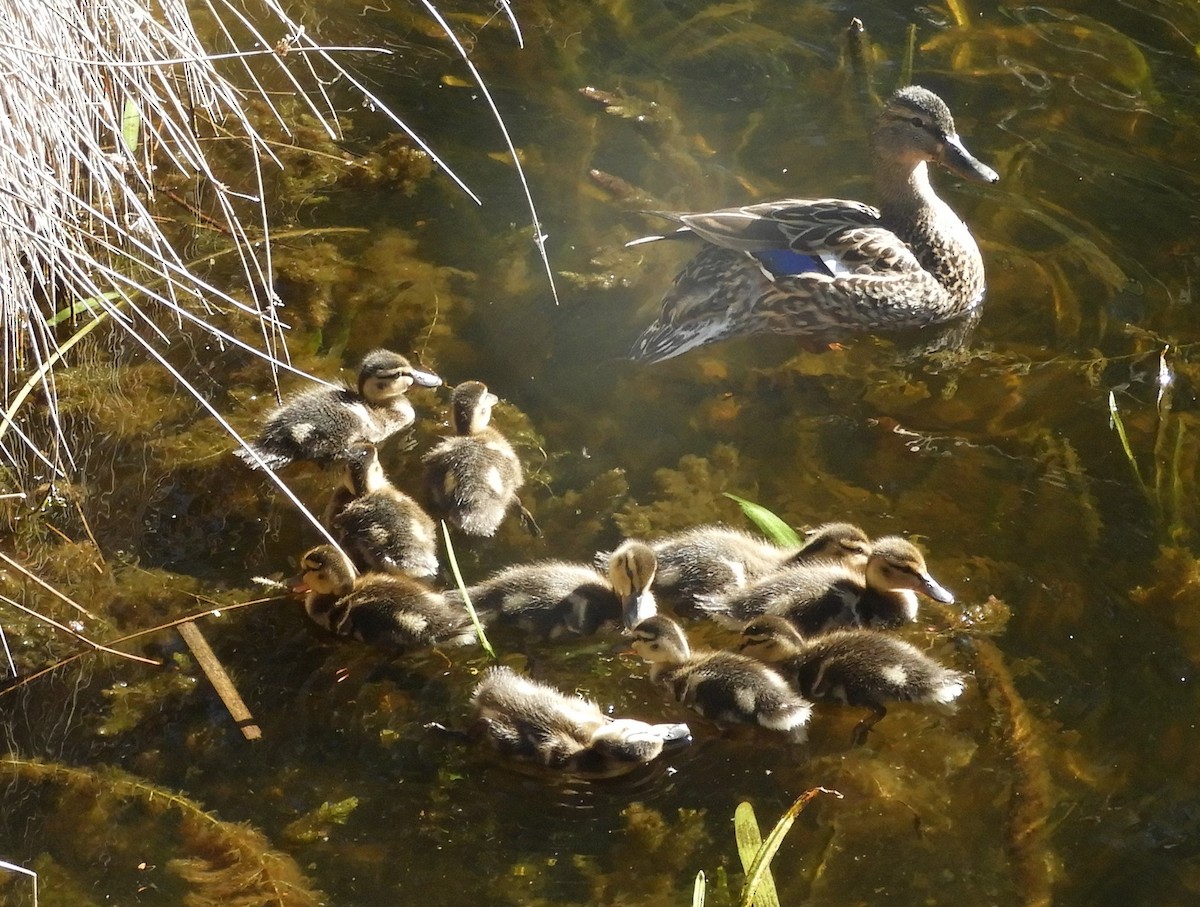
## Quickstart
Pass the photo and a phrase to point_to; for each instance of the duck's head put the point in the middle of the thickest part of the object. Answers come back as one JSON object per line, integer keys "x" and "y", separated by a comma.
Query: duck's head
{"x": 659, "y": 640}
{"x": 324, "y": 571}
{"x": 844, "y": 543}
{"x": 471, "y": 407}
{"x": 631, "y": 571}
{"x": 770, "y": 638}
{"x": 362, "y": 472}
{"x": 385, "y": 375}
{"x": 915, "y": 125}
{"x": 630, "y": 740}
{"x": 895, "y": 563}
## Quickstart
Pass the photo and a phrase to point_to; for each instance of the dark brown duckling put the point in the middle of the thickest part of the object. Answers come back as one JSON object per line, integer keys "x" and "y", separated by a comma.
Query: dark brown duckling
{"x": 379, "y": 526}
{"x": 390, "y": 611}
{"x": 535, "y": 723}
{"x": 722, "y": 686}
{"x": 858, "y": 667}
{"x": 825, "y": 596}
{"x": 474, "y": 476}
{"x": 321, "y": 425}
{"x": 555, "y": 599}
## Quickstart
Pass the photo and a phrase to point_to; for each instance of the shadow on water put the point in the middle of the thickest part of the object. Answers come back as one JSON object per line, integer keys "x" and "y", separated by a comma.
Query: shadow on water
{"x": 1067, "y": 771}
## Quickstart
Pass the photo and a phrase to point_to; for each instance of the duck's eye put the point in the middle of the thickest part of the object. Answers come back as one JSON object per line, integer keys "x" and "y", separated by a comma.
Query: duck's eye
{"x": 918, "y": 122}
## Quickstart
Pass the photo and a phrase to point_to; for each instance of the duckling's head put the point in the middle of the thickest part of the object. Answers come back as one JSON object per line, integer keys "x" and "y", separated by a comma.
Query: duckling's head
{"x": 471, "y": 407}
{"x": 631, "y": 571}
{"x": 841, "y": 542}
{"x": 659, "y": 640}
{"x": 770, "y": 638}
{"x": 895, "y": 563}
{"x": 325, "y": 571}
{"x": 914, "y": 126}
{"x": 362, "y": 472}
{"x": 627, "y": 740}
{"x": 385, "y": 375}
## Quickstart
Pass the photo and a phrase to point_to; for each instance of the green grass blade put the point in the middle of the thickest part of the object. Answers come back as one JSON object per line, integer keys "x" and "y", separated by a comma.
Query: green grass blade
{"x": 462, "y": 588}
{"x": 758, "y": 876}
{"x": 750, "y": 844}
{"x": 698, "y": 890}
{"x": 1120, "y": 427}
{"x": 768, "y": 523}
{"x": 90, "y": 305}
{"x": 131, "y": 124}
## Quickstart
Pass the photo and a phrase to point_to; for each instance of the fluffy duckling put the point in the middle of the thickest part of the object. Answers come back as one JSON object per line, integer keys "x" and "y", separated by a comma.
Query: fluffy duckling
{"x": 320, "y": 425}
{"x": 823, "y": 596}
{"x": 554, "y": 599}
{"x": 533, "y": 722}
{"x": 380, "y": 527}
{"x": 858, "y": 667}
{"x": 386, "y": 610}
{"x": 709, "y": 560}
{"x": 723, "y": 686}
{"x": 473, "y": 477}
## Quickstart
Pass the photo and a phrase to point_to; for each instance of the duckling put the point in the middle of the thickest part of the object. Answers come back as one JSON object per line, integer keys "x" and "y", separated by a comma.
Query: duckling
{"x": 822, "y": 596}
{"x": 320, "y": 425}
{"x": 723, "y": 686}
{"x": 473, "y": 477}
{"x": 533, "y": 722}
{"x": 387, "y": 610}
{"x": 554, "y": 599}
{"x": 380, "y": 527}
{"x": 709, "y": 560}
{"x": 858, "y": 667}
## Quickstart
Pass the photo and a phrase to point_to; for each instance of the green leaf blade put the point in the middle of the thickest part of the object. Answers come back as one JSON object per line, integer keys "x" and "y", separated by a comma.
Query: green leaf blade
{"x": 768, "y": 523}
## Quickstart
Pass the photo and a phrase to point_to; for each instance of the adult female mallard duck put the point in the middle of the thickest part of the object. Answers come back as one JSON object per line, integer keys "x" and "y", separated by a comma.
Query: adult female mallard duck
{"x": 321, "y": 425}
{"x": 553, "y": 599}
{"x": 473, "y": 477}
{"x": 535, "y": 723}
{"x": 827, "y": 266}
{"x": 722, "y": 686}
{"x": 380, "y": 527}
{"x": 858, "y": 667}
{"x": 824, "y": 596}
{"x": 709, "y": 560}
{"x": 383, "y": 609}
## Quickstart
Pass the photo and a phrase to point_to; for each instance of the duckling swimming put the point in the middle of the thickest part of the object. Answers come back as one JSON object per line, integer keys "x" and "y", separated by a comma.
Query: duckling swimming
{"x": 555, "y": 599}
{"x": 722, "y": 686}
{"x": 709, "y": 560}
{"x": 473, "y": 477}
{"x": 533, "y": 722}
{"x": 858, "y": 667}
{"x": 387, "y": 610}
{"x": 320, "y": 425}
{"x": 380, "y": 527}
{"x": 823, "y": 596}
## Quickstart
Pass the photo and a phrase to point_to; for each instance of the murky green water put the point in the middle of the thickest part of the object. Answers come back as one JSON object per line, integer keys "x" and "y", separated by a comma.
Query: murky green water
{"x": 999, "y": 456}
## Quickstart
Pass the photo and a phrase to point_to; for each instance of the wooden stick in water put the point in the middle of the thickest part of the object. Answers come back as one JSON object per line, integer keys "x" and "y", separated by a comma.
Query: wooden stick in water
{"x": 215, "y": 672}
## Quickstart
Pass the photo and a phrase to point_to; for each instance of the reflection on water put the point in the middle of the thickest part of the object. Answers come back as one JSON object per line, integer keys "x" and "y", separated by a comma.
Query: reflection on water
{"x": 1068, "y": 765}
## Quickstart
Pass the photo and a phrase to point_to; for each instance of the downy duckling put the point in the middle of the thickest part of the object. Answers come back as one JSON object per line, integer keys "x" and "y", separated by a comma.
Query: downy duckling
{"x": 473, "y": 477}
{"x": 554, "y": 599}
{"x": 709, "y": 560}
{"x": 722, "y": 686}
{"x": 380, "y": 527}
{"x": 391, "y": 611}
{"x": 824, "y": 596}
{"x": 858, "y": 667}
{"x": 533, "y": 722}
{"x": 320, "y": 425}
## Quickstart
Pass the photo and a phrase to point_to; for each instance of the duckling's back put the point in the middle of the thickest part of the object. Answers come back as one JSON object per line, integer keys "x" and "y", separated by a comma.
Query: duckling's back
{"x": 473, "y": 479}
{"x": 813, "y": 597}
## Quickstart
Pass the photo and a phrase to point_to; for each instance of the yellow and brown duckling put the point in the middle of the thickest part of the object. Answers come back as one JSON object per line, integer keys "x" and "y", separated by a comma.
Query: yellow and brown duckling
{"x": 473, "y": 477}
{"x": 824, "y": 596}
{"x": 380, "y": 527}
{"x": 555, "y": 599}
{"x": 321, "y": 425}
{"x": 534, "y": 723}
{"x": 391, "y": 611}
{"x": 722, "y": 686}
{"x": 858, "y": 667}
{"x": 710, "y": 560}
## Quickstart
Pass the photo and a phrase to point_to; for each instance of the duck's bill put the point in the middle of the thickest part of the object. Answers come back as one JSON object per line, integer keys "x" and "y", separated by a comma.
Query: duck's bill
{"x": 425, "y": 379}
{"x": 636, "y": 608}
{"x": 296, "y": 584}
{"x": 957, "y": 159}
{"x": 937, "y": 592}
{"x": 674, "y": 733}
